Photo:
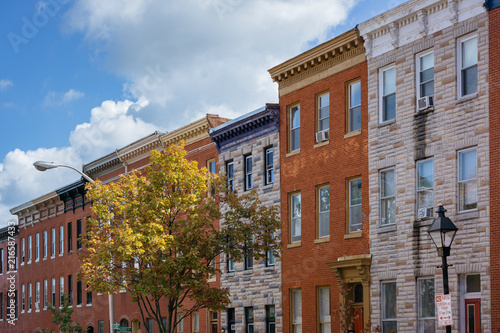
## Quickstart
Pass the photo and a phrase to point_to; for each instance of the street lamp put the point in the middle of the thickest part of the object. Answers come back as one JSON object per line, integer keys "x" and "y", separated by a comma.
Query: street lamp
{"x": 42, "y": 166}
{"x": 442, "y": 232}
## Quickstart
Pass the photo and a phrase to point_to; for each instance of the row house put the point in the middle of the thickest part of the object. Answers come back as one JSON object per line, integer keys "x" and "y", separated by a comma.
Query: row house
{"x": 249, "y": 156}
{"x": 324, "y": 177}
{"x": 428, "y": 147}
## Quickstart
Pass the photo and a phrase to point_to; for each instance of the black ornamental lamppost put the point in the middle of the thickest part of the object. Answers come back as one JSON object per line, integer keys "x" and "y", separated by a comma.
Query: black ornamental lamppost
{"x": 442, "y": 232}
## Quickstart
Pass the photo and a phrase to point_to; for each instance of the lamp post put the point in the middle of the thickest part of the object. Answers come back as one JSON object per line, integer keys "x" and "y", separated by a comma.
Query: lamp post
{"x": 42, "y": 166}
{"x": 442, "y": 232}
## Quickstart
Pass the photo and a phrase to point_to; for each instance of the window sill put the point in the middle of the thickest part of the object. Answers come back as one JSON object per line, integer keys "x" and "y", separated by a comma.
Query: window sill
{"x": 322, "y": 240}
{"x": 248, "y": 271}
{"x": 387, "y": 123}
{"x": 467, "y": 215}
{"x": 295, "y": 152}
{"x": 90, "y": 304}
{"x": 321, "y": 144}
{"x": 387, "y": 228}
{"x": 466, "y": 98}
{"x": 355, "y": 234}
{"x": 294, "y": 244}
{"x": 269, "y": 269}
{"x": 351, "y": 134}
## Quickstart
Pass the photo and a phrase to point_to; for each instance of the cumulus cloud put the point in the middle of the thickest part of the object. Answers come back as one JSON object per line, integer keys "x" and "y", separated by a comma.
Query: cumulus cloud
{"x": 57, "y": 98}
{"x": 4, "y": 84}
{"x": 112, "y": 125}
{"x": 191, "y": 57}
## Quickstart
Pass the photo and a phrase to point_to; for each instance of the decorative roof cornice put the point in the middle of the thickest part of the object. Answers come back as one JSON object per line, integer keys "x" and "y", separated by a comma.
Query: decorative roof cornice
{"x": 319, "y": 58}
{"x": 72, "y": 190}
{"x": 250, "y": 123}
{"x": 140, "y": 148}
{"x": 8, "y": 232}
{"x": 102, "y": 165}
{"x": 30, "y": 206}
{"x": 194, "y": 131}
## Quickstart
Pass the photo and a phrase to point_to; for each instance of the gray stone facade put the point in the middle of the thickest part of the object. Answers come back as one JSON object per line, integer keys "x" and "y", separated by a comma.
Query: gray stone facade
{"x": 402, "y": 252}
{"x": 252, "y": 134}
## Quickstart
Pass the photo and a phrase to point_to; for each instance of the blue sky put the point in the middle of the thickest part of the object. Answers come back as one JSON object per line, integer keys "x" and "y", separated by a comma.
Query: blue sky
{"x": 80, "y": 78}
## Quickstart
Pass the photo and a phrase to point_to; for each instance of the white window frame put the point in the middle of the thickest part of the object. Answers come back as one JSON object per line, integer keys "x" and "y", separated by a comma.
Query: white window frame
{"x": 29, "y": 249}
{"x": 180, "y": 323}
{"x": 324, "y": 309}
{"x": 381, "y": 93}
{"x": 385, "y": 198}
{"x": 319, "y": 108}
{"x": 469, "y": 180}
{"x": 61, "y": 290}
{"x": 37, "y": 247}
{"x": 296, "y": 310}
{"x": 351, "y": 108}
{"x": 45, "y": 244}
{"x": 53, "y": 243}
{"x": 53, "y": 293}
{"x": 460, "y": 70}
{"x": 351, "y": 225}
{"x": 248, "y": 172}
{"x": 322, "y": 213}
{"x": 418, "y": 72}
{"x": 30, "y": 298}
{"x": 292, "y": 129}
{"x": 37, "y": 296}
{"x": 45, "y": 294}
{"x": 230, "y": 175}
{"x": 269, "y": 161}
{"x": 419, "y": 310}
{"x": 23, "y": 298}
{"x": 23, "y": 250}
{"x": 422, "y": 190}
{"x": 384, "y": 317}
{"x": 196, "y": 322}
{"x": 61, "y": 240}
{"x": 295, "y": 221}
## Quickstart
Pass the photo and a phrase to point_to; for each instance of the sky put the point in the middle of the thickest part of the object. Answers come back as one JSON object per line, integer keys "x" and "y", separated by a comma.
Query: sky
{"x": 81, "y": 78}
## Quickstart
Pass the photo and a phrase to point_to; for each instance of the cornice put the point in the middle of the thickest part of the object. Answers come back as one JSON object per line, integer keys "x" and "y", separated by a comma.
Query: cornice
{"x": 31, "y": 206}
{"x": 192, "y": 132}
{"x": 141, "y": 148}
{"x": 102, "y": 165}
{"x": 325, "y": 54}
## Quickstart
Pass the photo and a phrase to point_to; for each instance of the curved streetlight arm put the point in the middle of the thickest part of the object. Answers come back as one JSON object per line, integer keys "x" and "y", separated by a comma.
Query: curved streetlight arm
{"x": 42, "y": 166}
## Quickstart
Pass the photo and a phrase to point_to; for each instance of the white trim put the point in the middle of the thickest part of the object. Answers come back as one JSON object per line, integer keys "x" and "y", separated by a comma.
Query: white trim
{"x": 381, "y": 92}
{"x": 417, "y": 72}
{"x": 460, "y": 41}
{"x": 458, "y": 179}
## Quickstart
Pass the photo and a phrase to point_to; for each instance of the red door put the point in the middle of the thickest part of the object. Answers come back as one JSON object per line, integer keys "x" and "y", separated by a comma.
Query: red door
{"x": 473, "y": 315}
{"x": 358, "y": 319}
{"x": 214, "y": 328}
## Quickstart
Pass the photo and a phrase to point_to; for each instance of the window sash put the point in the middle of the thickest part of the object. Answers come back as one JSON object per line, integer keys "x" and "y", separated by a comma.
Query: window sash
{"x": 23, "y": 250}
{"x": 296, "y": 310}
{"x": 323, "y": 203}
{"x": 355, "y": 205}
{"x": 388, "y": 94}
{"x": 426, "y": 305}
{"x": 324, "y": 313}
{"x": 196, "y": 322}
{"x": 389, "y": 312}
{"x": 45, "y": 244}
{"x": 425, "y": 184}
{"x": 53, "y": 242}
{"x": 37, "y": 246}
{"x": 467, "y": 179}
{"x": 269, "y": 166}
{"x": 323, "y": 112}
{"x": 387, "y": 197}
{"x": 61, "y": 239}
{"x": 295, "y": 214}
{"x": 425, "y": 75}
{"x": 29, "y": 248}
{"x": 295, "y": 128}
{"x": 354, "y": 112}
{"x": 248, "y": 172}
{"x": 468, "y": 66}
{"x": 45, "y": 293}
{"x": 230, "y": 175}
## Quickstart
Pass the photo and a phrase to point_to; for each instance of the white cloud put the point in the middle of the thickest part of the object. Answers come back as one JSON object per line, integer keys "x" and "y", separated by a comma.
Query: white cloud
{"x": 112, "y": 125}
{"x": 57, "y": 98}
{"x": 190, "y": 57}
{"x": 4, "y": 84}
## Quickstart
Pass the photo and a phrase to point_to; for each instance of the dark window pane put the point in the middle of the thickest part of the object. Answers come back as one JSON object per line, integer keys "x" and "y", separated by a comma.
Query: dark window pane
{"x": 389, "y": 107}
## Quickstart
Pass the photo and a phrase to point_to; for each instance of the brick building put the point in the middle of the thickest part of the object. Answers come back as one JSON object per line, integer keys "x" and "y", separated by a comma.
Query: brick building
{"x": 248, "y": 149}
{"x": 9, "y": 278}
{"x": 428, "y": 146}
{"x": 323, "y": 150}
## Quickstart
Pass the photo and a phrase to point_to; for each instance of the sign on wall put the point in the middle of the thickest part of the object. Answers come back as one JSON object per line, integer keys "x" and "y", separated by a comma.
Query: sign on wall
{"x": 443, "y": 307}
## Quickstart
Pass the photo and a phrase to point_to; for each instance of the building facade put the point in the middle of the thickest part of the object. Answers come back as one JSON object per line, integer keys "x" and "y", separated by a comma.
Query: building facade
{"x": 428, "y": 146}
{"x": 323, "y": 151}
{"x": 248, "y": 149}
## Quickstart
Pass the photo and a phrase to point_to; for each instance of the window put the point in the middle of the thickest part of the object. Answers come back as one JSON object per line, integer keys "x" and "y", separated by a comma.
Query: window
{"x": 45, "y": 244}
{"x": 230, "y": 261}
{"x": 323, "y": 112}
{"x": 45, "y": 294}
{"x": 249, "y": 319}
{"x": 426, "y": 306}
{"x": 61, "y": 290}
{"x": 180, "y": 323}
{"x": 324, "y": 310}
{"x": 89, "y": 296}
{"x": 388, "y": 94}
{"x": 387, "y": 197}
{"x": 296, "y": 308}
{"x": 270, "y": 259}
{"x": 53, "y": 298}
{"x": 53, "y": 242}
{"x": 211, "y": 169}
{"x": 1, "y": 261}
{"x": 425, "y": 184}
{"x": 231, "y": 321}
{"x": 29, "y": 297}
{"x": 354, "y": 107}
{"x": 78, "y": 234}
{"x": 294, "y": 127}
{"x": 23, "y": 250}
{"x": 78, "y": 292}
{"x": 70, "y": 289}
{"x": 23, "y": 298}
{"x": 70, "y": 237}
{"x": 389, "y": 323}
{"x": 230, "y": 175}
{"x": 196, "y": 322}
{"x": 248, "y": 172}
{"x": 355, "y": 213}
{"x": 269, "y": 166}
{"x": 248, "y": 259}
{"x": 295, "y": 217}
{"x": 425, "y": 75}
{"x": 101, "y": 326}
{"x": 61, "y": 240}
{"x": 37, "y": 296}
{"x": 15, "y": 256}
{"x": 323, "y": 197}
{"x": 37, "y": 247}
{"x": 467, "y": 57}
{"x": 29, "y": 249}
{"x": 270, "y": 319}
{"x": 467, "y": 179}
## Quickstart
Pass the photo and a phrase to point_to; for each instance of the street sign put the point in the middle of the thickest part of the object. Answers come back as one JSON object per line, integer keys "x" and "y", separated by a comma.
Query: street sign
{"x": 443, "y": 305}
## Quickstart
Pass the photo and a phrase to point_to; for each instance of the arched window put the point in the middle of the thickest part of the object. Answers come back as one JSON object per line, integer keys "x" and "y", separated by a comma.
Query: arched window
{"x": 90, "y": 329}
{"x": 124, "y": 323}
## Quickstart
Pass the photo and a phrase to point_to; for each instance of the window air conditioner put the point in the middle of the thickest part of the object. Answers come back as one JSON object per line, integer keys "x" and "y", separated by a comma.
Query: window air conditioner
{"x": 424, "y": 212}
{"x": 425, "y": 103}
{"x": 322, "y": 135}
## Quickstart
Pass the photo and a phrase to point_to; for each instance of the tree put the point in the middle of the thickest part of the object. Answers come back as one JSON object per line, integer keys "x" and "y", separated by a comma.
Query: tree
{"x": 157, "y": 235}
{"x": 62, "y": 318}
